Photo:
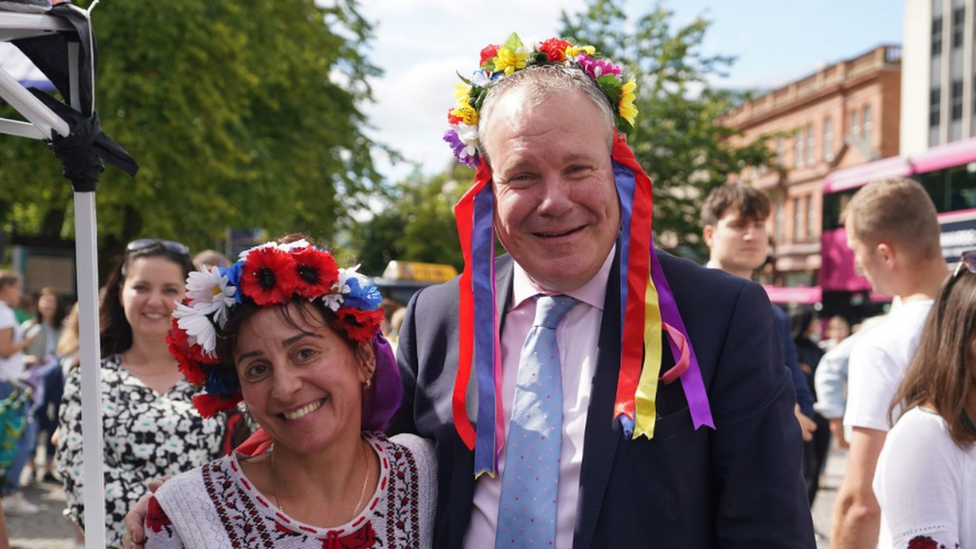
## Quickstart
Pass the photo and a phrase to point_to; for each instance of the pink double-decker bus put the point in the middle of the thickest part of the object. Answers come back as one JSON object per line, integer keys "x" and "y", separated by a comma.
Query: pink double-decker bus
{"x": 947, "y": 172}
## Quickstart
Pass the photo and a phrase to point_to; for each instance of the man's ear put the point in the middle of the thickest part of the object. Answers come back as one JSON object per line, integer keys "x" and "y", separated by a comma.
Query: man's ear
{"x": 887, "y": 253}
{"x": 708, "y": 232}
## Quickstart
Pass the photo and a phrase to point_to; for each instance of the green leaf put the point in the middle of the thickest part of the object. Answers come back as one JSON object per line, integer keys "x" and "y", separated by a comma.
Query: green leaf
{"x": 513, "y": 43}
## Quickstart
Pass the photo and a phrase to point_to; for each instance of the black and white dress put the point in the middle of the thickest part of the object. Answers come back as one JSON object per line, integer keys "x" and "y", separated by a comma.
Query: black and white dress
{"x": 146, "y": 435}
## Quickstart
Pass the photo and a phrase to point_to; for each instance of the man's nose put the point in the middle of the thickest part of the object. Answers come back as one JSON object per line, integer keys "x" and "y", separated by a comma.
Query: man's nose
{"x": 556, "y": 196}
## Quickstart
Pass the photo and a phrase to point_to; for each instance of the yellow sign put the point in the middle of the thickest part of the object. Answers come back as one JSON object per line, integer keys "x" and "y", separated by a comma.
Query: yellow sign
{"x": 421, "y": 272}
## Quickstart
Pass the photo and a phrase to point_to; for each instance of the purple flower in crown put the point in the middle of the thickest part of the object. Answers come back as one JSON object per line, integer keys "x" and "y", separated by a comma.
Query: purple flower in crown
{"x": 464, "y": 152}
{"x": 596, "y": 68}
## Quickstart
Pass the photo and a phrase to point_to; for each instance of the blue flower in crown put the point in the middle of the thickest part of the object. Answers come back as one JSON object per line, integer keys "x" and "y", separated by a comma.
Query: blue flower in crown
{"x": 365, "y": 298}
{"x": 233, "y": 274}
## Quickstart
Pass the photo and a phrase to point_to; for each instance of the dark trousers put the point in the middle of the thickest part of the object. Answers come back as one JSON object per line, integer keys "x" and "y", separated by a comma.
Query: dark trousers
{"x": 815, "y": 456}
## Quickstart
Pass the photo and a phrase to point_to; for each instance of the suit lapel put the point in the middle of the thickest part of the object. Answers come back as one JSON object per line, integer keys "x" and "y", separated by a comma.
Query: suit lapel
{"x": 462, "y": 477}
{"x": 602, "y": 432}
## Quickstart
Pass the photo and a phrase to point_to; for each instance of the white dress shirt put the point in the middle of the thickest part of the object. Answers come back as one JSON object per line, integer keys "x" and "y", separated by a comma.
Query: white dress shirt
{"x": 577, "y": 337}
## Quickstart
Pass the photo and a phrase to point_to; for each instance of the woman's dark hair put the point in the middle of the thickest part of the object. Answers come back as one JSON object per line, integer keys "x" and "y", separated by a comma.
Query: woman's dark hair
{"x": 941, "y": 374}
{"x": 800, "y": 320}
{"x": 116, "y": 333}
{"x": 60, "y": 311}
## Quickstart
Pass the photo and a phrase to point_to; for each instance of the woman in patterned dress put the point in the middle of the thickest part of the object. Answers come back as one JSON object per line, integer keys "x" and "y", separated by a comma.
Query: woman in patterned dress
{"x": 299, "y": 341}
{"x": 149, "y": 424}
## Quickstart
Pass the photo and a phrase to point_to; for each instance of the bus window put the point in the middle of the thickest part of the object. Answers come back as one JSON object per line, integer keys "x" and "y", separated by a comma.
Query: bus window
{"x": 402, "y": 279}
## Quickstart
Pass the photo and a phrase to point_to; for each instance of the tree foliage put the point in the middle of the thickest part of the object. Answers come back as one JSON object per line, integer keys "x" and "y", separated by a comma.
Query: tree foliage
{"x": 678, "y": 137}
{"x": 416, "y": 223}
{"x": 240, "y": 115}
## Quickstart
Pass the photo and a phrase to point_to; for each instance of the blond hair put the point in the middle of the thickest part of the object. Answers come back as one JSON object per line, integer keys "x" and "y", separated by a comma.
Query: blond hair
{"x": 898, "y": 211}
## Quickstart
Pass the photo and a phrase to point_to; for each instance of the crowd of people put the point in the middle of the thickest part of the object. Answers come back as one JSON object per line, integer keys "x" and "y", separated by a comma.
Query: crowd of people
{"x": 582, "y": 390}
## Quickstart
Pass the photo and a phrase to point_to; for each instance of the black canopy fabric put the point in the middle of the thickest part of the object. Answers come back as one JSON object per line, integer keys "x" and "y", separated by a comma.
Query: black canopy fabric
{"x": 81, "y": 153}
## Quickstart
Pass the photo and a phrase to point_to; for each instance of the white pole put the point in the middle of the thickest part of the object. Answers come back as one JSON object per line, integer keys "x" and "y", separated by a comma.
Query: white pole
{"x": 86, "y": 253}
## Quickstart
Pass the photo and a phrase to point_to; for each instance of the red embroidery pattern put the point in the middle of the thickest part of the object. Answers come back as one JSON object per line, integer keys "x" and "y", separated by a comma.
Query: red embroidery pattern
{"x": 156, "y": 518}
{"x": 248, "y": 525}
{"x": 925, "y": 542}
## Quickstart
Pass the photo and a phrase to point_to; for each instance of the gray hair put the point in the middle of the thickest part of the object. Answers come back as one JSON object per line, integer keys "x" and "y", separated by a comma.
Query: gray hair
{"x": 541, "y": 82}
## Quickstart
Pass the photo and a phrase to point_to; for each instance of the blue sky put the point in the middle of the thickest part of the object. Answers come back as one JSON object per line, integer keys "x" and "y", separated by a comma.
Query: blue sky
{"x": 420, "y": 44}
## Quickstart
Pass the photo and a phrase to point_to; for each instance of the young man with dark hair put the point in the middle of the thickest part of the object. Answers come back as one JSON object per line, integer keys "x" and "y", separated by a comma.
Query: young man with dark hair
{"x": 734, "y": 228}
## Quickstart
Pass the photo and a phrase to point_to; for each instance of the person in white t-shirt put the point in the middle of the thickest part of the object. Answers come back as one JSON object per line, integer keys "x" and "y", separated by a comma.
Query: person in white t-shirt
{"x": 12, "y": 345}
{"x": 894, "y": 233}
{"x": 926, "y": 477}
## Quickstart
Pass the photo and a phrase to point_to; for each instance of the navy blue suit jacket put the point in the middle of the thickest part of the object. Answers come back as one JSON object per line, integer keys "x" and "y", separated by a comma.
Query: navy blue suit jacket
{"x": 737, "y": 486}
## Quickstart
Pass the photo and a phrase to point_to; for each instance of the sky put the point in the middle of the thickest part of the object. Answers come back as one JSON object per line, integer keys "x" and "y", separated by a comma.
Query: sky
{"x": 422, "y": 44}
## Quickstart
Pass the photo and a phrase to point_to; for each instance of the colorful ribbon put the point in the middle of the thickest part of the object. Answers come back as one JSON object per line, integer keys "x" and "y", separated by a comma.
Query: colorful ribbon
{"x": 648, "y": 311}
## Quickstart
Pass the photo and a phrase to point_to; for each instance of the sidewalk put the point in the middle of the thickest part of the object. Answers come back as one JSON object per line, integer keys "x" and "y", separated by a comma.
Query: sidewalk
{"x": 829, "y": 483}
{"x": 48, "y": 529}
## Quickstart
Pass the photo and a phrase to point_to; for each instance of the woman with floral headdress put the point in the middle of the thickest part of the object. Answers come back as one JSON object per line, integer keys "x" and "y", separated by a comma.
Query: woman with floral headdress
{"x": 298, "y": 341}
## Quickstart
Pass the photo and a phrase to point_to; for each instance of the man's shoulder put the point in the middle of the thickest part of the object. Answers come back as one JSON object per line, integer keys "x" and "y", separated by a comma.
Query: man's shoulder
{"x": 683, "y": 273}
{"x": 899, "y": 329}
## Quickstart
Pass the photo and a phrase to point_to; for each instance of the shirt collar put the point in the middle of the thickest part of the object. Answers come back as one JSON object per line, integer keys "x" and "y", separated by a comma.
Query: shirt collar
{"x": 593, "y": 293}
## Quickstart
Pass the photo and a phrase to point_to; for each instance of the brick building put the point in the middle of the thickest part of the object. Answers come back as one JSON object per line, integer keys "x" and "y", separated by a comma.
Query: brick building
{"x": 844, "y": 115}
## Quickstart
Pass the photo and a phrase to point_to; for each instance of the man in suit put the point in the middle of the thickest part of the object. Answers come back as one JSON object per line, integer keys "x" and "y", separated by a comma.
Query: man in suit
{"x": 547, "y": 135}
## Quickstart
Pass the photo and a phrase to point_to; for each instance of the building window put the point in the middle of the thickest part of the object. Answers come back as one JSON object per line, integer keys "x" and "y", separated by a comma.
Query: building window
{"x": 780, "y": 150}
{"x": 828, "y": 139}
{"x": 958, "y": 19}
{"x": 935, "y": 103}
{"x": 937, "y": 36}
{"x": 811, "y": 219}
{"x": 810, "y": 145}
{"x": 956, "y": 100}
{"x": 866, "y": 123}
{"x": 798, "y": 223}
{"x": 855, "y": 127}
{"x": 798, "y": 142}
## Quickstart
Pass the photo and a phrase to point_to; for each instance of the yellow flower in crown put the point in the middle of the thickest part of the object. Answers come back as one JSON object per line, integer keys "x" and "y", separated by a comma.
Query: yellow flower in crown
{"x": 510, "y": 61}
{"x": 498, "y": 61}
{"x": 627, "y": 109}
{"x": 573, "y": 51}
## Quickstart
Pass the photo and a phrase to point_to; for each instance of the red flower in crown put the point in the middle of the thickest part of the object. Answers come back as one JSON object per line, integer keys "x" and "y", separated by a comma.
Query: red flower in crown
{"x": 210, "y": 405}
{"x": 316, "y": 272}
{"x": 555, "y": 49}
{"x": 489, "y": 52}
{"x": 156, "y": 518}
{"x": 190, "y": 357}
{"x": 357, "y": 324}
{"x": 269, "y": 276}
{"x": 452, "y": 119}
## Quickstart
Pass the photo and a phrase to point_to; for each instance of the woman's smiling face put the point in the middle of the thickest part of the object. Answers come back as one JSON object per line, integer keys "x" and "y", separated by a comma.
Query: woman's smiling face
{"x": 301, "y": 380}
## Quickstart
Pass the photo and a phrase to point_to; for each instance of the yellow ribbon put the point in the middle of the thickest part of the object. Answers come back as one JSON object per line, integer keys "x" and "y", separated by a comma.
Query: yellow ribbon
{"x": 645, "y": 414}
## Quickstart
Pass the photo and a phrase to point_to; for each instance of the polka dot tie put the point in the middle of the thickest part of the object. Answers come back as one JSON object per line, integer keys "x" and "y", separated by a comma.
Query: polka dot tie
{"x": 530, "y": 481}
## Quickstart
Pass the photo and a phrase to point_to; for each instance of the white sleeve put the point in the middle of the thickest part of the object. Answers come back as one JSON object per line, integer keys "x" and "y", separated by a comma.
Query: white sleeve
{"x": 423, "y": 453}
{"x": 872, "y": 381}
{"x": 917, "y": 482}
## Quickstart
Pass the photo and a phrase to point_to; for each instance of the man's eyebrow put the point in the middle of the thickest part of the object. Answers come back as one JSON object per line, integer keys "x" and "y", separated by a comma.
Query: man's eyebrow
{"x": 284, "y": 343}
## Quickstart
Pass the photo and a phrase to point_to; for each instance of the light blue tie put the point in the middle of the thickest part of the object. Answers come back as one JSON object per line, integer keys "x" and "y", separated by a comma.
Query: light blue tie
{"x": 530, "y": 481}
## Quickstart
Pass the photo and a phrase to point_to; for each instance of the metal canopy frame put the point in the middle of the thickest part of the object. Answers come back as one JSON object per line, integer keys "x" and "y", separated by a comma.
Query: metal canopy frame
{"x": 42, "y": 123}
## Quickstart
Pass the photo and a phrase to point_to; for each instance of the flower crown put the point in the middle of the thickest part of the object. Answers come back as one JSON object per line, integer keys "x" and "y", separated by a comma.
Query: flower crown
{"x": 269, "y": 274}
{"x": 500, "y": 61}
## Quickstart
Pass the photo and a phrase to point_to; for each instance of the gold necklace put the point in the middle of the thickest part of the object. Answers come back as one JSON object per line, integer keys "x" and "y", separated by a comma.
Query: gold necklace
{"x": 362, "y": 491}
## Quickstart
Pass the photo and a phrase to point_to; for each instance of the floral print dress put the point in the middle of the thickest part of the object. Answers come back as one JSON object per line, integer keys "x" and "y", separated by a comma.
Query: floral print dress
{"x": 145, "y": 435}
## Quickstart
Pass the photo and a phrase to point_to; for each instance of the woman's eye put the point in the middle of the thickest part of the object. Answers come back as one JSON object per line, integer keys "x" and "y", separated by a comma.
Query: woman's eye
{"x": 256, "y": 371}
{"x": 305, "y": 354}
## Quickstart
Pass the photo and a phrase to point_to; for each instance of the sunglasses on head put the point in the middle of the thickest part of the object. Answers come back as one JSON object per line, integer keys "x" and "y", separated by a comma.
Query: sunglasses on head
{"x": 178, "y": 248}
{"x": 967, "y": 260}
